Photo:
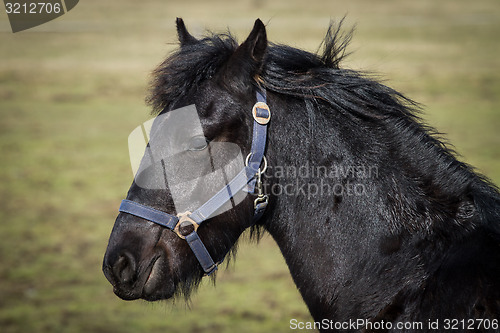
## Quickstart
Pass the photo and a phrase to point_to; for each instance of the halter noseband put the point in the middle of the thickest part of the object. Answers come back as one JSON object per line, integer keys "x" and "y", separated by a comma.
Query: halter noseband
{"x": 249, "y": 176}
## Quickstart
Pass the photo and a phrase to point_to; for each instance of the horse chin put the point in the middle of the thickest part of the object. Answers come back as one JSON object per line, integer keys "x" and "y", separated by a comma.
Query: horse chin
{"x": 158, "y": 295}
{"x": 157, "y": 287}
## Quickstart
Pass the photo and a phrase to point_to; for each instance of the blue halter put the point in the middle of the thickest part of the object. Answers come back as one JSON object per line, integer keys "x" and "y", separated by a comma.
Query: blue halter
{"x": 249, "y": 176}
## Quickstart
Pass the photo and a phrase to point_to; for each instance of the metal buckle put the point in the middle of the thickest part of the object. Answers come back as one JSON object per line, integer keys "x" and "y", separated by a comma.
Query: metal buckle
{"x": 184, "y": 218}
{"x": 259, "y": 119}
{"x": 212, "y": 269}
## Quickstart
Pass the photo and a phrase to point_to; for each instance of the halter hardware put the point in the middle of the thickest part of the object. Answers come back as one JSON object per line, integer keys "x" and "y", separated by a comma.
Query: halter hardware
{"x": 264, "y": 159}
{"x": 249, "y": 177}
{"x": 262, "y": 199}
{"x": 183, "y": 220}
{"x": 260, "y": 116}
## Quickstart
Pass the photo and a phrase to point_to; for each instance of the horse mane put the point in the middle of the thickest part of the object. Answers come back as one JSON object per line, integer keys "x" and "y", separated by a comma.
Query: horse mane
{"x": 187, "y": 68}
{"x": 453, "y": 189}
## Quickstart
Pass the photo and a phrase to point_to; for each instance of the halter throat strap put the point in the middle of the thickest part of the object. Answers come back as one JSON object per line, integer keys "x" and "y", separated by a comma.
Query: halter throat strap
{"x": 185, "y": 225}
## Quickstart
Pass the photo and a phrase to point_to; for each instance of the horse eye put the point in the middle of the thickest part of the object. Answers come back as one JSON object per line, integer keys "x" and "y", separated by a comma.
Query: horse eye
{"x": 198, "y": 143}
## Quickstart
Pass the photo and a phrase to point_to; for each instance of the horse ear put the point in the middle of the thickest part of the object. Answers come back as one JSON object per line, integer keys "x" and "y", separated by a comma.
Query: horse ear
{"x": 185, "y": 38}
{"x": 246, "y": 62}
{"x": 254, "y": 47}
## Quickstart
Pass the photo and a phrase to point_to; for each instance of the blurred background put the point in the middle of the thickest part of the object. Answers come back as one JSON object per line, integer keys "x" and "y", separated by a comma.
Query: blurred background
{"x": 72, "y": 89}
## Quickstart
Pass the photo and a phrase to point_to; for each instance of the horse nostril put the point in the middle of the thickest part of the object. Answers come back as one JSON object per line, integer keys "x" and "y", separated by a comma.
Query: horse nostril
{"x": 124, "y": 268}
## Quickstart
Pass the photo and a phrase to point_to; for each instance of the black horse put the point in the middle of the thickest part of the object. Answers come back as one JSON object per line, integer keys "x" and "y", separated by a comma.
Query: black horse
{"x": 379, "y": 223}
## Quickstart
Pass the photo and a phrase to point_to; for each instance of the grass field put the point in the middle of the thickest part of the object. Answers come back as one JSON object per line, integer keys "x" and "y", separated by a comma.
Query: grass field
{"x": 71, "y": 91}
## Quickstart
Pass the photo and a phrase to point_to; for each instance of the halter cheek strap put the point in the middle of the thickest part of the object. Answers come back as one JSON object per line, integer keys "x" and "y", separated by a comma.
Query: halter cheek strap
{"x": 185, "y": 225}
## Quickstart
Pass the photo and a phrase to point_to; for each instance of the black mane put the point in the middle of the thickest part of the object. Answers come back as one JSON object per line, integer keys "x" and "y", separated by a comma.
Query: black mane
{"x": 287, "y": 70}
{"x": 451, "y": 188}
{"x": 187, "y": 67}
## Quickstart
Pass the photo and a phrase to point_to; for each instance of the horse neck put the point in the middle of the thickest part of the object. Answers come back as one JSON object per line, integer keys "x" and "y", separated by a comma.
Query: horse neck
{"x": 336, "y": 230}
{"x": 325, "y": 235}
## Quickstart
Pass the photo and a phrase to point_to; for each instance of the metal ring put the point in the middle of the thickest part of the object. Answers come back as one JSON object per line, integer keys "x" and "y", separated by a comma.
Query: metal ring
{"x": 184, "y": 217}
{"x": 263, "y": 158}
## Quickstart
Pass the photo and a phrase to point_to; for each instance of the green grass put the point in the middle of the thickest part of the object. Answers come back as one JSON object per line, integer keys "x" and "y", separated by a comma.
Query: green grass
{"x": 73, "y": 89}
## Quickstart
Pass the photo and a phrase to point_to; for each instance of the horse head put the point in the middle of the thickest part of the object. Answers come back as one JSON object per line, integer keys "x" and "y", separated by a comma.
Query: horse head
{"x": 197, "y": 145}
